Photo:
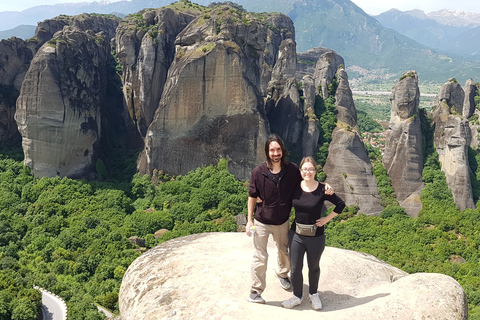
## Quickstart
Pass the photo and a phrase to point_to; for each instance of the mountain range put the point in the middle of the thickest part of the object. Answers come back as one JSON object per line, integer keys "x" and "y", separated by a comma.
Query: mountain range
{"x": 441, "y": 45}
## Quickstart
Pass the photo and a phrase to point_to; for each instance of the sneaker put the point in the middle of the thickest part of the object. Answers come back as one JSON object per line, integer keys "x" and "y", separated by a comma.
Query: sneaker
{"x": 284, "y": 282}
{"x": 315, "y": 301}
{"x": 292, "y": 302}
{"x": 255, "y": 297}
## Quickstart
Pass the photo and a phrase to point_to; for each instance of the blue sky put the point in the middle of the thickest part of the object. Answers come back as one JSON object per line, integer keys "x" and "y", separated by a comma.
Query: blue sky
{"x": 369, "y": 6}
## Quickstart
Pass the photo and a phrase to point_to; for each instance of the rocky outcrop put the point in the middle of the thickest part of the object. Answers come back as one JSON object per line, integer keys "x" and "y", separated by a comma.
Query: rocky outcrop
{"x": 107, "y": 24}
{"x": 145, "y": 54}
{"x": 170, "y": 282}
{"x": 306, "y": 61}
{"x": 348, "y": 167}
{"x": 213, "y": 93}
{"x": 470, "y": 90}
{"x": 311, "y": 132}
{"x": 283, "y": 107}
{"x": 58, "y": 110}
{"x": 325, "y": 70}
{"x": 15, "y": 57}
{"x": 403, "y": 157}
{"x": 452, "y": 138}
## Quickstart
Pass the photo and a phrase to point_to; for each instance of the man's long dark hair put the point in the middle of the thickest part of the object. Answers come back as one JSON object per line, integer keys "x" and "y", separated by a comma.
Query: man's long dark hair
{"x": 276, "y": 138}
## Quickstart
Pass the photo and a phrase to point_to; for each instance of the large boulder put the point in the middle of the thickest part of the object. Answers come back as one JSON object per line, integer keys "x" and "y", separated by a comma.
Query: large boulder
{"x": 207, "y": 276}
{"x": 348, "y": 167}
{"x": 452, "y": 138}
{"x": 403, "y": 157}
{"x": 211, "y": 106}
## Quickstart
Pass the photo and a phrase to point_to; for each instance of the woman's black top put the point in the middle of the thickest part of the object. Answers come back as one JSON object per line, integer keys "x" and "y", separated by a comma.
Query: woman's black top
{"x": 308, "y": 206}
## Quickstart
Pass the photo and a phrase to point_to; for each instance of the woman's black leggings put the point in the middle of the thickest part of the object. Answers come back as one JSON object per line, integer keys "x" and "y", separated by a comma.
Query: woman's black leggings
{"x": 314, "y": 247}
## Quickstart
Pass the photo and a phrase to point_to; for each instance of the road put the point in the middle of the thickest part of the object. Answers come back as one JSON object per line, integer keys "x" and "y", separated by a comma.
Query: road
{"x": 384, "y": 93}
{"x": 53, "y": 308}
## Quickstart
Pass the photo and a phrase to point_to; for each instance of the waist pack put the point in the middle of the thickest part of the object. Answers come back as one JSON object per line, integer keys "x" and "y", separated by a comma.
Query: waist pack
{"x": 308, "y": 230}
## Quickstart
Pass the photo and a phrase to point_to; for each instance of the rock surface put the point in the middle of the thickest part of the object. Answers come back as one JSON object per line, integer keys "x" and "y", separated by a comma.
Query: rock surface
{"x": 403, "y": 157}
{"x": 452, "y": 138}
{"x": 283, "y": 107}
{"x": 213, "y": 93}
{"x": 58, "y": 110}
{"x": 348, "y": 167}
{"x": 470, "y": 90}
{"x": 325, "y": 71}
{"x": 145, "y": 55}
{"x": 207, "y": 276}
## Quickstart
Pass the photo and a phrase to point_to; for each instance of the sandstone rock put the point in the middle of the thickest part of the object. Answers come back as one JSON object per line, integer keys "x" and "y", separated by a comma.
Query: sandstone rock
{"x": 97, "y": 23}
{"x": 212, "y": 95}
{"x": 283, "y": 107}
{"x": 207, "y": 276}
{"x": 452, "y": 138}
{"x": 470, "y": 90}
{"x": 325, "y": 70}
{"x": 403, "y": 157}
{"x": 306, "y": 61}
{"x": 348, "y": 167}
{"x": 453, "y": 95}
{"x": 159, "y": 233}
{"x": 58, "y": 110}
{"x": 137, "y": 241}
{"x": 311, "y": 132}
{"x": 145, "y": 55}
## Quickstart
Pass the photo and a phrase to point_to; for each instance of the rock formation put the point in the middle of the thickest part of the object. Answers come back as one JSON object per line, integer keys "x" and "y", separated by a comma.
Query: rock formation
{"x": 283, "y": 107}
{"x": 325, "y": 70}
{"x": 307, "y": 61}
{"x": 452, "y": 138}
{"x": 207, "y": 276}
{"x": 211, "y": 106}
{"x": 58, "y": 110}
{"x": 310, "y": 131}
{"x": 470, "y": 90}
{"x": 145, "y": 55}
{"x": 403, "y": 157}
{"x": 15, "y": 56}
{"x": 348, "y": 167}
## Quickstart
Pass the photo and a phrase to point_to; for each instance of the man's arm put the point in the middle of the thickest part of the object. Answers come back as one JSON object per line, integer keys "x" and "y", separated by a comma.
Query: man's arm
{"x": 250, "y": 207}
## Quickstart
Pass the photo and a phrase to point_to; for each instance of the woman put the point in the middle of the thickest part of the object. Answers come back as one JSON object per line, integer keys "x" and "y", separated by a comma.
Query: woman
{"x": 307, "y": 233}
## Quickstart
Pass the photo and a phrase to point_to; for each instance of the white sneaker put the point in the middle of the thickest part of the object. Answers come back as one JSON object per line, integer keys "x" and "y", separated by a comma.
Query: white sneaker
{"x": 292, "y": 302}
{"x": 315, "y": 301}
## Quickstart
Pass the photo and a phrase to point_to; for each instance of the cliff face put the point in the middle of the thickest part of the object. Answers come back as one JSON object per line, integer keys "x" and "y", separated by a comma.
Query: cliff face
{"x": 145, "y": 54}
{"x": 469, "y": 102}
{"x": 311, "y": 133}
{"x": 58, "y": 110}
{"x": 283, "y": 107}
{"x": 213, "y": 93}
{"x": 452, "y": 138}
{"x": 15, "y": 56}
{"x": 348, "y": 167}
{"x": 403, "y": 157}
{"x": 325, "y": 70}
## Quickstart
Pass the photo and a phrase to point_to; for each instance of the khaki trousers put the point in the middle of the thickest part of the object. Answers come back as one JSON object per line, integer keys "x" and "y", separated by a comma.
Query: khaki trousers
{"x": 260, "y": 257}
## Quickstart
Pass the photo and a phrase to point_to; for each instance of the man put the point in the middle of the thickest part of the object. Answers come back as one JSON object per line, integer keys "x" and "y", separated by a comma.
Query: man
{"x": 273, "y": 182}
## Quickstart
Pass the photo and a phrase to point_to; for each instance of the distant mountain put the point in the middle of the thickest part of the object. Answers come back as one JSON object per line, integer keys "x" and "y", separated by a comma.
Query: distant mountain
{"x": 381, "y": 52}
{"x": 21, "y": 31}
{"x": 451, "y": 32}
{"x": 456, "y": 18}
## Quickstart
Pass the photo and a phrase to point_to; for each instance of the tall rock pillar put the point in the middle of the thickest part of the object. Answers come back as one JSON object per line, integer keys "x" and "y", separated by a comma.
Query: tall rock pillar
{"x": 348, "y": 167}
{"x": 452, "y": 138}
{"x": 403, "y": 156}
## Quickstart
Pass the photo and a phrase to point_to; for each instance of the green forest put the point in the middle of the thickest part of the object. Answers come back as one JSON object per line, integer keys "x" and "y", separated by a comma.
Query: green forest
{"x": 71, "y": 237}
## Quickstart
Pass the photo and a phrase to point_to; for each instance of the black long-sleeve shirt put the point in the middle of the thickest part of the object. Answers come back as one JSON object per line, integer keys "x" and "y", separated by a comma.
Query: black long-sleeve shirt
{"x": 308, "y": 206}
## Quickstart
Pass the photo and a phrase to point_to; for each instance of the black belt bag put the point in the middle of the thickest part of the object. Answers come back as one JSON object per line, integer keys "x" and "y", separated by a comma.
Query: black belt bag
{"x": 308, "y": 230}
